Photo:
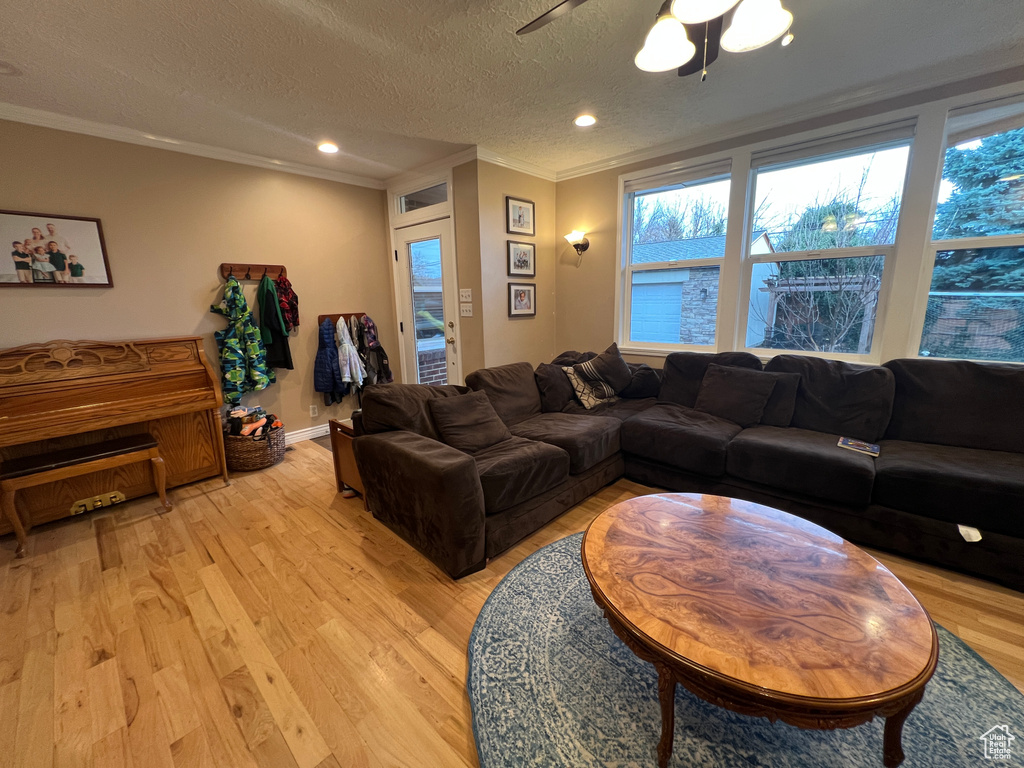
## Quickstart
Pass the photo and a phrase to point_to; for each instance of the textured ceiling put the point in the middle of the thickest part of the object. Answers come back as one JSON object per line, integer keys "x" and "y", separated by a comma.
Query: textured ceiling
{"x": 399, "y": 84}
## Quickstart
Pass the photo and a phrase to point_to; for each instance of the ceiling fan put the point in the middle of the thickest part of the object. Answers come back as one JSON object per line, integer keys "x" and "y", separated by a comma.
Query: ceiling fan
{"x": 689, "y": 34}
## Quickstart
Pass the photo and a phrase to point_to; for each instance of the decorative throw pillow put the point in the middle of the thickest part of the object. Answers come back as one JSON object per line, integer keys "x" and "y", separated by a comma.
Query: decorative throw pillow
{"x": 607, "y": 373}
{"x": 554, "y": 387}
{"x": 585, "y": 393}
{"x": 778, "y": 412}
{"x": 736, "y": 394}
{"x": 645, "y": 381}
{"x": 468, "y": 422}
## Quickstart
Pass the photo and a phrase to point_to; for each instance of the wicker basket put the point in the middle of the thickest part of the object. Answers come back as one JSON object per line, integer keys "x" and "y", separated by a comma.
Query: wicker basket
{"x": 245, "y": 454}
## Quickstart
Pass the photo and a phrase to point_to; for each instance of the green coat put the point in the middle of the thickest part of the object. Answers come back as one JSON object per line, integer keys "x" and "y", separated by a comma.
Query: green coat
{"x": 243, "y": 362}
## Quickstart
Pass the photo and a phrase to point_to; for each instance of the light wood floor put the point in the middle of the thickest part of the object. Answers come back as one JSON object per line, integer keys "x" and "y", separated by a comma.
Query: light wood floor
{"x": 273, "y": 623}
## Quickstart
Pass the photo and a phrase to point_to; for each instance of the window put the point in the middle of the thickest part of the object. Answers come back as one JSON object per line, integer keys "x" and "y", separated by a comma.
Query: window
{"x": 423, "y": 198}
{"x": 976, "y": 300}
{"x": 848, "y": 205}
{"x": 675, "y": 250}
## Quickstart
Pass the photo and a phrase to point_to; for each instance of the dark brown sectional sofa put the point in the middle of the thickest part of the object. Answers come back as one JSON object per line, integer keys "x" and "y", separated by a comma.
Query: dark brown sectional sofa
{"x": 951, "y": 436}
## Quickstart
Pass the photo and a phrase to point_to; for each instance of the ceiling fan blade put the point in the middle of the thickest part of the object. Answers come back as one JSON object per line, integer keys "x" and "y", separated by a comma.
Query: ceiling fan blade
{"x": 546, "y": 18}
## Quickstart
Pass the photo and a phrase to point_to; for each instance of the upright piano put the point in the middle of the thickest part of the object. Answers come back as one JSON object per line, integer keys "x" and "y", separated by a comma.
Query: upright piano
{"x": 65, "y": 394}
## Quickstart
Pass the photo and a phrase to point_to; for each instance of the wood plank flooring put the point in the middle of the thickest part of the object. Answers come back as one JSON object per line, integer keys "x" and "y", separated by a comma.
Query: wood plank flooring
{"x": 274, "y": 624}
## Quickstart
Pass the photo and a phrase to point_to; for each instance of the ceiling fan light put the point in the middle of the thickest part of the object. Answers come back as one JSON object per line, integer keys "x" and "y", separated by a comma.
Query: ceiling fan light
{"x": 699, "y": 11}
{"x": 755, "y": 24}
{"x": 666, "y": 47}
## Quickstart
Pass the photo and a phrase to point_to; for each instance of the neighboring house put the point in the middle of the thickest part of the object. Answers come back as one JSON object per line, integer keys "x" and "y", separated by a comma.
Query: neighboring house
{"x": 678, "y": 304}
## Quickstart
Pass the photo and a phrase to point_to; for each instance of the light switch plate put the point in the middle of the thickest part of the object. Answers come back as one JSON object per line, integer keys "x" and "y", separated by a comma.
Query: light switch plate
{"x": 465, "y": 294}
{"x": 465, "y": 310}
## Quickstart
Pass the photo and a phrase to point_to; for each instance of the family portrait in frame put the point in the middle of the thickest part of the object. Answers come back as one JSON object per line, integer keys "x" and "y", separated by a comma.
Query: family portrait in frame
{"x": 519, "y": 217}
{"x": 522, "y": 299}
{"x": 53, "y": 250}
{"x": 522, "y": 259}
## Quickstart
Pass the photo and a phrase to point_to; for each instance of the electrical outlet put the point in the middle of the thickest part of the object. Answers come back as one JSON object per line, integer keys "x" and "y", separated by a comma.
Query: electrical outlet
{"x": 313, "y": 411}
{"x": 465, "y": 294}
{"x": 465, "y": 310}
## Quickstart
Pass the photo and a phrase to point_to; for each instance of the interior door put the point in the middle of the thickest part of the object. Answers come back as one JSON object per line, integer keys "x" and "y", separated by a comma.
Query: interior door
{"x": 427, "y": 289}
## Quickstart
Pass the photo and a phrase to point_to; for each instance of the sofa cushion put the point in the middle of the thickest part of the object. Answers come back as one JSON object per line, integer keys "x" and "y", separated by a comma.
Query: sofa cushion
{"x": 587, "y": 439}
{"x": 778, "y": 411}
{"x": 956, "y": 402}
{"x": 684, "y": 372}
{"x": 736, "y": 394}
{"x": 511, "y": 388}
{"x": 644, "y": 382}
{"x": 680, "y": 437}
{"x": 589, "y": 395}
{"x": 970, "y": 486}
{"x": 608, "y": 369}
{"x": 469, "y": 422}
{"x": 620, "y": 408}
{"x": 802, "y": 462}
{"x": 553, "y": 386}
{"x": 839, "y": 398}
{"x": 518, "y": 469}
{"x": 388, "y": 407}
{"x": 571, "y": 357}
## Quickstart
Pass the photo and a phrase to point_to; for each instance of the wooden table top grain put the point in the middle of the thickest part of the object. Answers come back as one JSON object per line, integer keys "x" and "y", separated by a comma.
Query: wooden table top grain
{"x": 759, "y": 598}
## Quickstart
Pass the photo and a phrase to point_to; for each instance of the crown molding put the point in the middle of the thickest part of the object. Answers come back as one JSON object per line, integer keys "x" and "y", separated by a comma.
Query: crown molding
{"x": 441, "y": 164}
{"x": 45, "y": 119}
{"x": 516, "y": 165}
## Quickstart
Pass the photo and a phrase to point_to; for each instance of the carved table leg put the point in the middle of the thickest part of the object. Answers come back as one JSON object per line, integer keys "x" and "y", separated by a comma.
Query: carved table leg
{"x": 7, "y": 501}
{"x": 160, "y": 479}
{"x": 893, "y": 743}
{"x": 667, "y": 696}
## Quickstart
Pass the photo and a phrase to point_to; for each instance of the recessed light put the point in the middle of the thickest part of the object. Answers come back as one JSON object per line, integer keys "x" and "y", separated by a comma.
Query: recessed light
{"x": 787, "y": 39}
{"x": 8, "y": 69}
{"x": 327, "y": 147}
{"x": 585, "y": 121}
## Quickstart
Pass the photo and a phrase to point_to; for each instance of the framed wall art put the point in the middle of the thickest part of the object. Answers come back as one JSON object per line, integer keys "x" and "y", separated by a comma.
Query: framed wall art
{"x": 522, "y": 299}
{"x": 519, "y": 217}
{"x": 50, "y": 249}
{"x": 521, "y": 259}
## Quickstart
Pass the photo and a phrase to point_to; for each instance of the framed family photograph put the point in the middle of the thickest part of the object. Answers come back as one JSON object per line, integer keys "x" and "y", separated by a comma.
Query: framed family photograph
{"x": 521, "y": 259}
{"x": 522, "y": 299}
{"x": 519, "y": 215}
{"x": 50, "y": 249}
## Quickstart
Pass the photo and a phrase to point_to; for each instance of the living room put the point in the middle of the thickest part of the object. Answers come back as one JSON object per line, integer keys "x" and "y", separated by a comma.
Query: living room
{"x": 193, "y": 152}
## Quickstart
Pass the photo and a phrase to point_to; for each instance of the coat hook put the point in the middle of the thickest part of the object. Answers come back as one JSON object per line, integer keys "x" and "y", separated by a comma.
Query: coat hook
{"x": 280, "y": 273}
{"x": 265, "y": 271}
{"x": 247, "y": 275}
{"x": 231, "y": 271}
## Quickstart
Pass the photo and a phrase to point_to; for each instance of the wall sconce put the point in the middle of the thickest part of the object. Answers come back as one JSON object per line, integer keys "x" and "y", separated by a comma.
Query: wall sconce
{"x": 578, "y": 240}
{"x": 703, "y": 294}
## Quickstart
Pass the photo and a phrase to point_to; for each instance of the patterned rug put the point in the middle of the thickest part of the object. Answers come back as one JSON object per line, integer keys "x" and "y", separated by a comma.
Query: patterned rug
{"x": 550, "y": 685}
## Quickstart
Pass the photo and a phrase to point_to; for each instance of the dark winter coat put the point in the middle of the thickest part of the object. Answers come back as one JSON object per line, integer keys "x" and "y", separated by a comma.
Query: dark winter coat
{"x": 326, "y": 373}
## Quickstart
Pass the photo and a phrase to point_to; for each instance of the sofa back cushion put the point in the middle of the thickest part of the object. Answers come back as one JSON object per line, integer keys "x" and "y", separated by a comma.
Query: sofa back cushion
{"x": 644, "y": 381}
{"x": 956, "y": 402}
{"x": 387, "y": 407}
{"x": 511, "y": 388}
{"x": 468, "y": 423}
{"x": 553, "y": 386}
{"x": 607, "y": 370}
{"x": 778, "y": 412}
{"x": 736, "y": 394}
{"x": 684, "y": 372}
{"x": 840, "y": 398}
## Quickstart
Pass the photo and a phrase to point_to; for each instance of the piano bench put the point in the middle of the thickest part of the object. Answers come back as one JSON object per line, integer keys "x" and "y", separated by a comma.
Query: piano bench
{"x": 31, "y": 471}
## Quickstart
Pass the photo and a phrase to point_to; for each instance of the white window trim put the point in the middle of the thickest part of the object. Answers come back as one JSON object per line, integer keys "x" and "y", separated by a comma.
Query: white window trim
{"x": 421, "y": 215}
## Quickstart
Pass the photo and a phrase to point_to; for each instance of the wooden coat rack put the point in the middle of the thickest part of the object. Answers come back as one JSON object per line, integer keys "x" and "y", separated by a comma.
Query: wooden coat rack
{"x": 252, "y": 271}
{"x": 334, "y": 318}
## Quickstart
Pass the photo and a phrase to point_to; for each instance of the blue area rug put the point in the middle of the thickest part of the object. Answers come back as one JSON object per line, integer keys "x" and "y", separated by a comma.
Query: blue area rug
{"x": 551, "y": 685}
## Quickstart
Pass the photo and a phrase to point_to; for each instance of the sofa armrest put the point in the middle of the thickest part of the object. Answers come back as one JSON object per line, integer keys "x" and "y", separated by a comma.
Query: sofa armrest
{"x": 427, "y": 492}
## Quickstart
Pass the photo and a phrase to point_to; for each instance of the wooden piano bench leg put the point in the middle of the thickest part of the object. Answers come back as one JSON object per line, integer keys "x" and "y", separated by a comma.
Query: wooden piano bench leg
{"x": 11, "y": 512}
{"x": 156, "y": 463}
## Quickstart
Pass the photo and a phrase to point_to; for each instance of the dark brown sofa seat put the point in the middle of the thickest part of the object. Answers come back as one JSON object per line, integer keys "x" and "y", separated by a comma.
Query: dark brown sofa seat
{"x": 515, "y": 470}
{"x": 680, "y": 437}
{"x": 621, "y": 409}
{"x": 966, "y": 486}
{"x": 588, "y": 441}
{"x": 802, "y": 462}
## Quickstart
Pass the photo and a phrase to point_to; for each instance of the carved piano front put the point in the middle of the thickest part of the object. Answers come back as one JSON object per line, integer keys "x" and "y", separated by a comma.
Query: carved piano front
{"x": 64, "y": 394}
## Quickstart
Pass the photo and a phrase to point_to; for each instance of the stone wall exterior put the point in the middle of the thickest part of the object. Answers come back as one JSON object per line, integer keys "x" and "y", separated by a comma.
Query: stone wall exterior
{"x": 699, "y": 311}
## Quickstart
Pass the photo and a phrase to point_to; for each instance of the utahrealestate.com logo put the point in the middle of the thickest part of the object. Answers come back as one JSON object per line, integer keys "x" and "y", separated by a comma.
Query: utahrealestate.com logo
{"x": 998, "y": 740}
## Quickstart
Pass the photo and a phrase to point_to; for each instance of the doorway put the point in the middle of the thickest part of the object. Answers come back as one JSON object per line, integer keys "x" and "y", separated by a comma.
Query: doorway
{"x": 427, "y": 292}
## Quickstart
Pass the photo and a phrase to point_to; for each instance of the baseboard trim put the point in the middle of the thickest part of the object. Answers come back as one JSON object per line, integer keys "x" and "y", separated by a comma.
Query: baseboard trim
{"x": 299, "y": 435}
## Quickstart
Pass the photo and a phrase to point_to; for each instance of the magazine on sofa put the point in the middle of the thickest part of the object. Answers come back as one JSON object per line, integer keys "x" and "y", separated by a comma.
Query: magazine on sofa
{"x": 860, "y": 446}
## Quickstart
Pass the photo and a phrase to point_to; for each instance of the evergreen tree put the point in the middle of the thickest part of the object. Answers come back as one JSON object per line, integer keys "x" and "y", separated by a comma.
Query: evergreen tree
{"x": 988, "y": 189}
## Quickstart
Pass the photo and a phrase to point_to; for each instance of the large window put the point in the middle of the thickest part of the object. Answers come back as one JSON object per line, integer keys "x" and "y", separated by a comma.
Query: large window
{"x": 675, "y": 252}
{"x": 847, "y": 205}
{"x": 976, "y": 300}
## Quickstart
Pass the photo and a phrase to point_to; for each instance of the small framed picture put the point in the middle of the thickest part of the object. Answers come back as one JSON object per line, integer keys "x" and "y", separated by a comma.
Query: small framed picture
{"x": 54, "y": 250}
{"x": 521, "y": 259}
{"x": 522, "y": 299}
{"x": 520, "y": 216}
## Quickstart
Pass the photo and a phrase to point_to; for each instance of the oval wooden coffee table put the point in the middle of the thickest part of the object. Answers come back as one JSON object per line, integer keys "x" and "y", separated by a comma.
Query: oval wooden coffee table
{"x": 760, "y": 612}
